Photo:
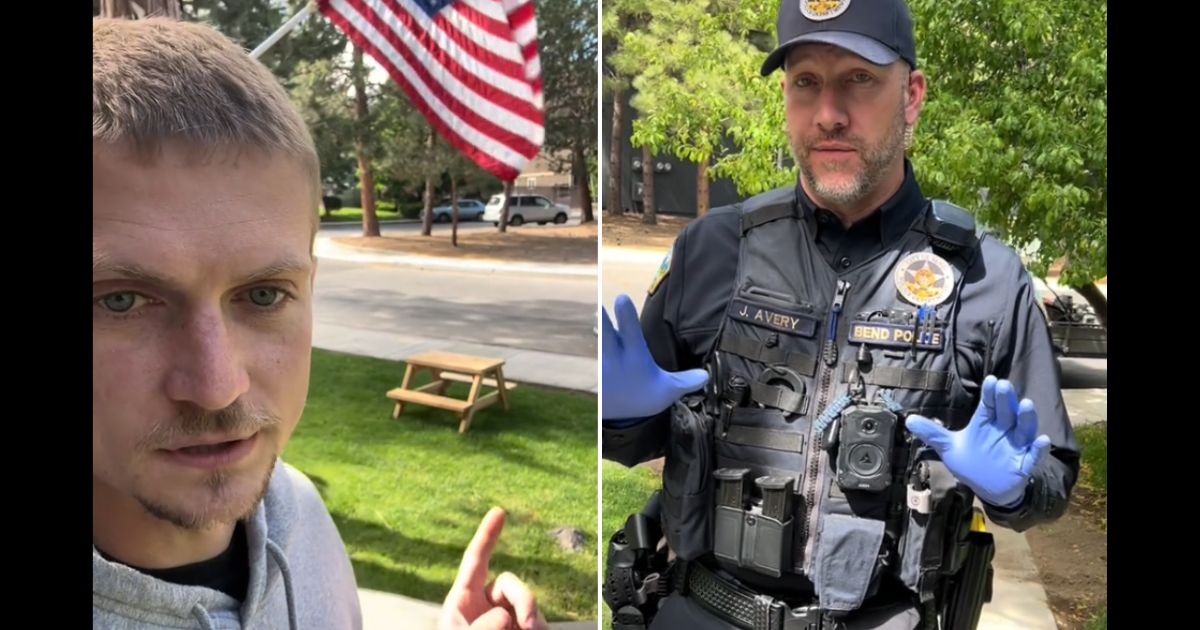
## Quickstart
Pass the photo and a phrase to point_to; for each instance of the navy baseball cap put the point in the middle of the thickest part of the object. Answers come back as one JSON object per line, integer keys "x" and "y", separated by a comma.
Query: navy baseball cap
{"x": 880, "y": 31}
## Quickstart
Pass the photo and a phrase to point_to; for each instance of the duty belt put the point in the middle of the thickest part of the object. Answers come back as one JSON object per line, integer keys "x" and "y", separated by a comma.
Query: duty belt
{"x": 744, "y": 608}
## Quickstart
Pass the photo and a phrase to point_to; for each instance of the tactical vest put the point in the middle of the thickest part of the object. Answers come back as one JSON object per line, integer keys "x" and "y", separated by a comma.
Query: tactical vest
{"x": 797, "y": 460}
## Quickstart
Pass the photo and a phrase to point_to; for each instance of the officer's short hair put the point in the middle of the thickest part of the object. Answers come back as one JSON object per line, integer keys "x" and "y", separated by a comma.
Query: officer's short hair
{"x": 158, "y": 80}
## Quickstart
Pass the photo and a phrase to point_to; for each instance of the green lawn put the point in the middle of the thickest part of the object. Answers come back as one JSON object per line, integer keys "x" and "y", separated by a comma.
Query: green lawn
{"x": 355, "y": 215}
{"x": 1093, "y": 439}
{"x": 408, "y": 494}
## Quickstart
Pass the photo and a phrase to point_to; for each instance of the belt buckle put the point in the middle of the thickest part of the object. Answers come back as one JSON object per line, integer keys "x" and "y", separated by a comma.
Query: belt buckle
{"x": 803, "y": 618}
{"x": 768, "y": 614}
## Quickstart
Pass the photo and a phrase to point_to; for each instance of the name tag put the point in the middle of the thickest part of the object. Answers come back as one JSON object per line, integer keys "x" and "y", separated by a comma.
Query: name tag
{"x": 782, "y": 320}
{"x": 895, "y": 335}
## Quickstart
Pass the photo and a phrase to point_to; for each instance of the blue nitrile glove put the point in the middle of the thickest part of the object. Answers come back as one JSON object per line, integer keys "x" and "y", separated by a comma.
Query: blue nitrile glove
{"x": 634, "y": 386}
{"x": 996, "y": 452}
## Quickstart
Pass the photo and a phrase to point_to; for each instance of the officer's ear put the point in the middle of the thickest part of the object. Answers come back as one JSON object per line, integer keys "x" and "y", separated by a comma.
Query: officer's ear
{"x": 914, "y": 91}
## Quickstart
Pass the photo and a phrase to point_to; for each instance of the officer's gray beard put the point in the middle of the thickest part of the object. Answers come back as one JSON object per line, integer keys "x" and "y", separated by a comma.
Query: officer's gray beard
{"x": 876, "y": 160}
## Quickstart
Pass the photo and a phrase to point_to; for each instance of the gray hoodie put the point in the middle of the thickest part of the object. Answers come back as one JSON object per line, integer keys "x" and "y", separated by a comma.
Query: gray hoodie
{"x": 300, "y": 575}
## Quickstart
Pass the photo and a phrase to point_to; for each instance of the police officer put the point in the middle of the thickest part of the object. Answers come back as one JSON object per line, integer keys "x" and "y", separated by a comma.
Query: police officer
{"x": 834, "y": 372}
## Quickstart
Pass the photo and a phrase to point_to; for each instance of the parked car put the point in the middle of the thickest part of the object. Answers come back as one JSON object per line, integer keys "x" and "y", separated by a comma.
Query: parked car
{"x": 526, "y": 208}
{"x": 468, "y": 210}
{"x": 1075, "y": 330}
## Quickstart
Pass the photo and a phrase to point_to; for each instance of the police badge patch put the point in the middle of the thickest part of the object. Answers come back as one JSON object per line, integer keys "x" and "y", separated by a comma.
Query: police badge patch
{"x": 819, "y": 10}
{"x": 924, "y": 279}
{"x": 663, "y": 268}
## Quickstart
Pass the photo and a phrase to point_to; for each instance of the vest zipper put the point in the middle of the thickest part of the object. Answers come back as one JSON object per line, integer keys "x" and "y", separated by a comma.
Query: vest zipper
{"x": 814, "y": 479}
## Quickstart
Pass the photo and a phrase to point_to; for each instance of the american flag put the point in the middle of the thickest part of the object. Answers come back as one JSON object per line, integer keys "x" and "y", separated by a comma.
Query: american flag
{"x": 470, "y": 66}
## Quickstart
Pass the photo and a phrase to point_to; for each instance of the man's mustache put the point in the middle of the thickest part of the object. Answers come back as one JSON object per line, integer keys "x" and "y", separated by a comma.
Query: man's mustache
{"x": 238, "y": 419}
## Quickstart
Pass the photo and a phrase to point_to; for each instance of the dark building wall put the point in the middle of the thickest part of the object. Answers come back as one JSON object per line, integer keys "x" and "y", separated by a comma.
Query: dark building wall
{"x": 674, "y": 185}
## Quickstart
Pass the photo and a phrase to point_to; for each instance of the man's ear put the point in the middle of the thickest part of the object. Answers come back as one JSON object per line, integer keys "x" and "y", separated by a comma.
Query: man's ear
{"x": 916, "y": 97}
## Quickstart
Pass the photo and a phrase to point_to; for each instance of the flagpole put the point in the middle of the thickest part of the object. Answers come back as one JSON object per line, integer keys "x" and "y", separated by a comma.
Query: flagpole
{"x": 282, "y": 30}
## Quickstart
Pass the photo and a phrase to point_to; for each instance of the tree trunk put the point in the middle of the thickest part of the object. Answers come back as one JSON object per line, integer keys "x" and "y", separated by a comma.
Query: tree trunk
{"x": 366, "y": 181}
{"x": 580, "y": 181}
{"x": 614, "y": 155}
{"x": 702, "y": 189}
{"x": 453, "y": 210}
{"x": 427, "y": 216}
{"x": 141, "y": 8}
{"x": 1097, "y": 300}
{"x": 508, "y": 187}
{"x": 649, "y": 217}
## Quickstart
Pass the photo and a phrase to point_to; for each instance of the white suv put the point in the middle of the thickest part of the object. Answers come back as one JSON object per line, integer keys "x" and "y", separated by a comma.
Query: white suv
{"x": 526, "y": 208}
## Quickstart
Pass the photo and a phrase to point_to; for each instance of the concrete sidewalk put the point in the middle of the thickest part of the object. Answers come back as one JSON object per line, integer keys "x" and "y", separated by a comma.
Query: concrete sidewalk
{"x": 520, "y": 366}
{"x": 386, "y": 611}
{"x": 325, "y": 247}
{"x": 1018, "y": 599}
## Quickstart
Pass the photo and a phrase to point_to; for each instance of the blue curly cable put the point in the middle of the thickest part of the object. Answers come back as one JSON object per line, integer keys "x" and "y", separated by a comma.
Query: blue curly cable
{"x": 832, "y": 411}
{"x": 890, "y": 403}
